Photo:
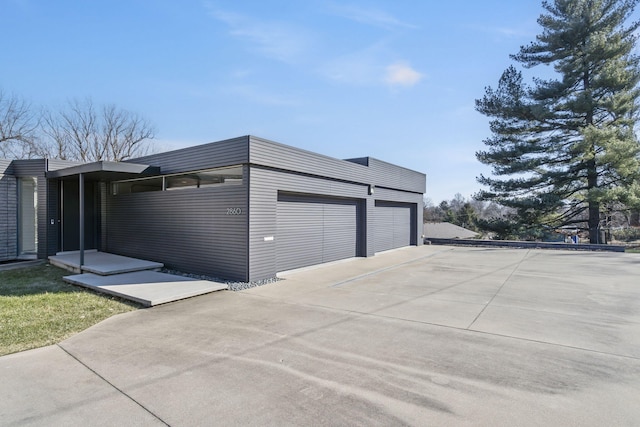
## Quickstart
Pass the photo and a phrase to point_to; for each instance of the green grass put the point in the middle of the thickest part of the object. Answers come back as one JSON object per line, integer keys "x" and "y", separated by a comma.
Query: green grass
{"x": 37, "y": 308}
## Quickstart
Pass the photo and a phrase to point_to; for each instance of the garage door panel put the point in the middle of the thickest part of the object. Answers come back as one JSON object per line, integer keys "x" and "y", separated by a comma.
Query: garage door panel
{"x": 340, "y": 228}
{"x": 299, "y": 228}
{"x": 401, "y": 227}
{"x": 392, "y": 225}
{"x": 313, "y": 230}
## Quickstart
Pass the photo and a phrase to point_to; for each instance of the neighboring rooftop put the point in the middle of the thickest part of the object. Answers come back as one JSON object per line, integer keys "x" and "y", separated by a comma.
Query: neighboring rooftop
{"x": 446, "y": 230}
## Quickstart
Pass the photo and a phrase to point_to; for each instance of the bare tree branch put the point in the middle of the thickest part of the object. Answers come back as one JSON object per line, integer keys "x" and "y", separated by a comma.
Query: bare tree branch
{"x": 86, "y": 133}
{"x": 17, "y": 127}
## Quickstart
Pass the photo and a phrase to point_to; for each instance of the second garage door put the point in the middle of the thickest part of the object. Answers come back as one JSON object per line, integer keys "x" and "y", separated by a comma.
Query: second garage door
{"x": 392, "y": 225}
{"x": 312, "y": 230}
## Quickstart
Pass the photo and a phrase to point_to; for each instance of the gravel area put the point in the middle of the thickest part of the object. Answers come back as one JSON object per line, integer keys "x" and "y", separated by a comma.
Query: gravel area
{"x": 233, "y": 286}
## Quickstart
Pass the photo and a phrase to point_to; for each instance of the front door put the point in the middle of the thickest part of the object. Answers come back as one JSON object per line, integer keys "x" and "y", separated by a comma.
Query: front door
{"x": 70, "y": 215}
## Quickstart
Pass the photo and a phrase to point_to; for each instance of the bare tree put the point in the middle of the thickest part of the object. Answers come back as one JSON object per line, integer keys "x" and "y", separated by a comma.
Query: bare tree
{"x": 18, "y": 126}
{"x": 86, "y": 133}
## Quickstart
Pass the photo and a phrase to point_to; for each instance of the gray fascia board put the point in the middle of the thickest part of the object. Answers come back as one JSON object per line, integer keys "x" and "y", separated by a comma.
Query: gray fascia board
{"x": 5, "y": 166}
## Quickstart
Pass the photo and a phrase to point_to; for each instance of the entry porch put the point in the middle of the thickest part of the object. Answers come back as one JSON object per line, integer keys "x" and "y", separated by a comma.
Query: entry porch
{"x": 130, "y": 278}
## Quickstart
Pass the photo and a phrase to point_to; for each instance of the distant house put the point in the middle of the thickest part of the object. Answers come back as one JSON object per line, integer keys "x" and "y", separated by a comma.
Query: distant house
{"x": 242, "y": 209}
{"x": 446, "y": 230}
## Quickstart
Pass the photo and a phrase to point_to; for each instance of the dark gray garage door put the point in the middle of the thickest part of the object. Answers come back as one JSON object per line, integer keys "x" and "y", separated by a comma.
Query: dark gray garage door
{"x": 312, "y": 230}
{"x": 392, "y": 225}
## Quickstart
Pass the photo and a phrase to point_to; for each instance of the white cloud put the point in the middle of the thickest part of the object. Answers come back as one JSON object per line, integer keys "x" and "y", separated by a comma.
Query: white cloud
{"x": 367, "y": 68}
{"x": 369, "y": 16}
{"x": 276, "y": 40}
{"x": 402, "y": 74}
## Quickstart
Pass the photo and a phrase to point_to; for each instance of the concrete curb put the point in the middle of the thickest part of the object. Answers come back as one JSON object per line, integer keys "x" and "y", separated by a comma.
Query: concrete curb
{"x": 529, "y": 245}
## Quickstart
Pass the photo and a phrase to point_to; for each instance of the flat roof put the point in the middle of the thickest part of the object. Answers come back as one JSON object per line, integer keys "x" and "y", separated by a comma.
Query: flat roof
{"x": 107, "y": 170}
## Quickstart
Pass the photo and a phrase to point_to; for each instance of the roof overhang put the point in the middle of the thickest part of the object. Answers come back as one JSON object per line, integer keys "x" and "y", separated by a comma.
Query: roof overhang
{"x": 104, "y": 171}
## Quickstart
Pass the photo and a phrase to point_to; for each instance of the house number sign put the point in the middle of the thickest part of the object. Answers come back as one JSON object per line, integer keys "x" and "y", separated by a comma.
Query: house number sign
{"x": 234, "y": 211}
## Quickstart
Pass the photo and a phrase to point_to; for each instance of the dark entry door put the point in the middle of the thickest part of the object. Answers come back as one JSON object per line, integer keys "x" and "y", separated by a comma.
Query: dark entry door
{"x": 70, "y": 215}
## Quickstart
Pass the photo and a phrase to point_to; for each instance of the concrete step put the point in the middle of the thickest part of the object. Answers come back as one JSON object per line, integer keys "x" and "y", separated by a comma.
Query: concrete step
{"x": 101, "y": 263}
{"x": 148, "y": 288}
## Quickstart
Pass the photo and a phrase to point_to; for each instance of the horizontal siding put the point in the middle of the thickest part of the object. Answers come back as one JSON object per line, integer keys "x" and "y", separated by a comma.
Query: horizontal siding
{"x": 34, "y": 167}
{"x": 271, "y": 154}
{"x": 8, "y": 217}
{"x": 188, "y": 229}
{"x": 367, "y": 170}
{"x": 385, "y": 194}
{"x": 369, "y": 232}
{"x": 263, "y": 194}
{"x": 396, "y": 177}
{"x": 216, "y": 154}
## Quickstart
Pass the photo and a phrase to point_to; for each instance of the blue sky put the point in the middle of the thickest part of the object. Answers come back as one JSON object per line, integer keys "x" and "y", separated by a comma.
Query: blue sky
{"x": 395, "y": 80}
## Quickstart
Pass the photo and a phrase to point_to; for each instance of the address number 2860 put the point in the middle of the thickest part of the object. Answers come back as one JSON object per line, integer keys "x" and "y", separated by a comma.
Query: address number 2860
{"x": 234, "y": 211}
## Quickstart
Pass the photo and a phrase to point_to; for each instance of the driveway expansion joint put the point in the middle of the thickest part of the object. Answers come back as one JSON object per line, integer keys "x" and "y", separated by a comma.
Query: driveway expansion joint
{"x": 391, "y": 267}
{"x": 500, "y": 288}
{"x": 119, "y": 390}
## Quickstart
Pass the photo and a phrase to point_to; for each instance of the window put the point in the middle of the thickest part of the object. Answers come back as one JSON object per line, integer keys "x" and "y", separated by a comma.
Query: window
{"x": 225, "y": 176}
{"x": 177, "y": 182}
{"x": 27, "y": 216}
{"x": 198, "y": 179}
{"x": 138, "y": 186}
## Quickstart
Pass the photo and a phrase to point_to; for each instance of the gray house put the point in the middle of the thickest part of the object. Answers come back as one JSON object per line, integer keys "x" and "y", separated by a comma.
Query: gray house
{"x": 242, "y": 209}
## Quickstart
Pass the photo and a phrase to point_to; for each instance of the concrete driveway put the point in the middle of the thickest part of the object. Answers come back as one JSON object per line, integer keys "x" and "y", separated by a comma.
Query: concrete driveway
{"x": 419, "y": 336}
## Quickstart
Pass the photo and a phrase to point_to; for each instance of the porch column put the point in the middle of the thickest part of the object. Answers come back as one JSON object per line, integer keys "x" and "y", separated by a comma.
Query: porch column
{"x": 81, "y": 221}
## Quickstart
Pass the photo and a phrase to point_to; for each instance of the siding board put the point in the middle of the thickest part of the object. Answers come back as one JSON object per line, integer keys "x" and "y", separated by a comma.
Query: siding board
{"x": 216, "y": 154}
{"x": 8, "y": 217}
{"x": 361, "y": 170}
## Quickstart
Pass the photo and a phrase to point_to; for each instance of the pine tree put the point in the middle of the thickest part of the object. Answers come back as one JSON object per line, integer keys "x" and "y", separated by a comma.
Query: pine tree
{"x": 562, "y": 148}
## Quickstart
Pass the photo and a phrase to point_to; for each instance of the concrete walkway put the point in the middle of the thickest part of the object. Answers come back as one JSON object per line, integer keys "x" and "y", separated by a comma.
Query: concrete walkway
{"x": 148, "y": 288}
{"x": 131, "y": 278}
{"x": 446, "y": 336}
